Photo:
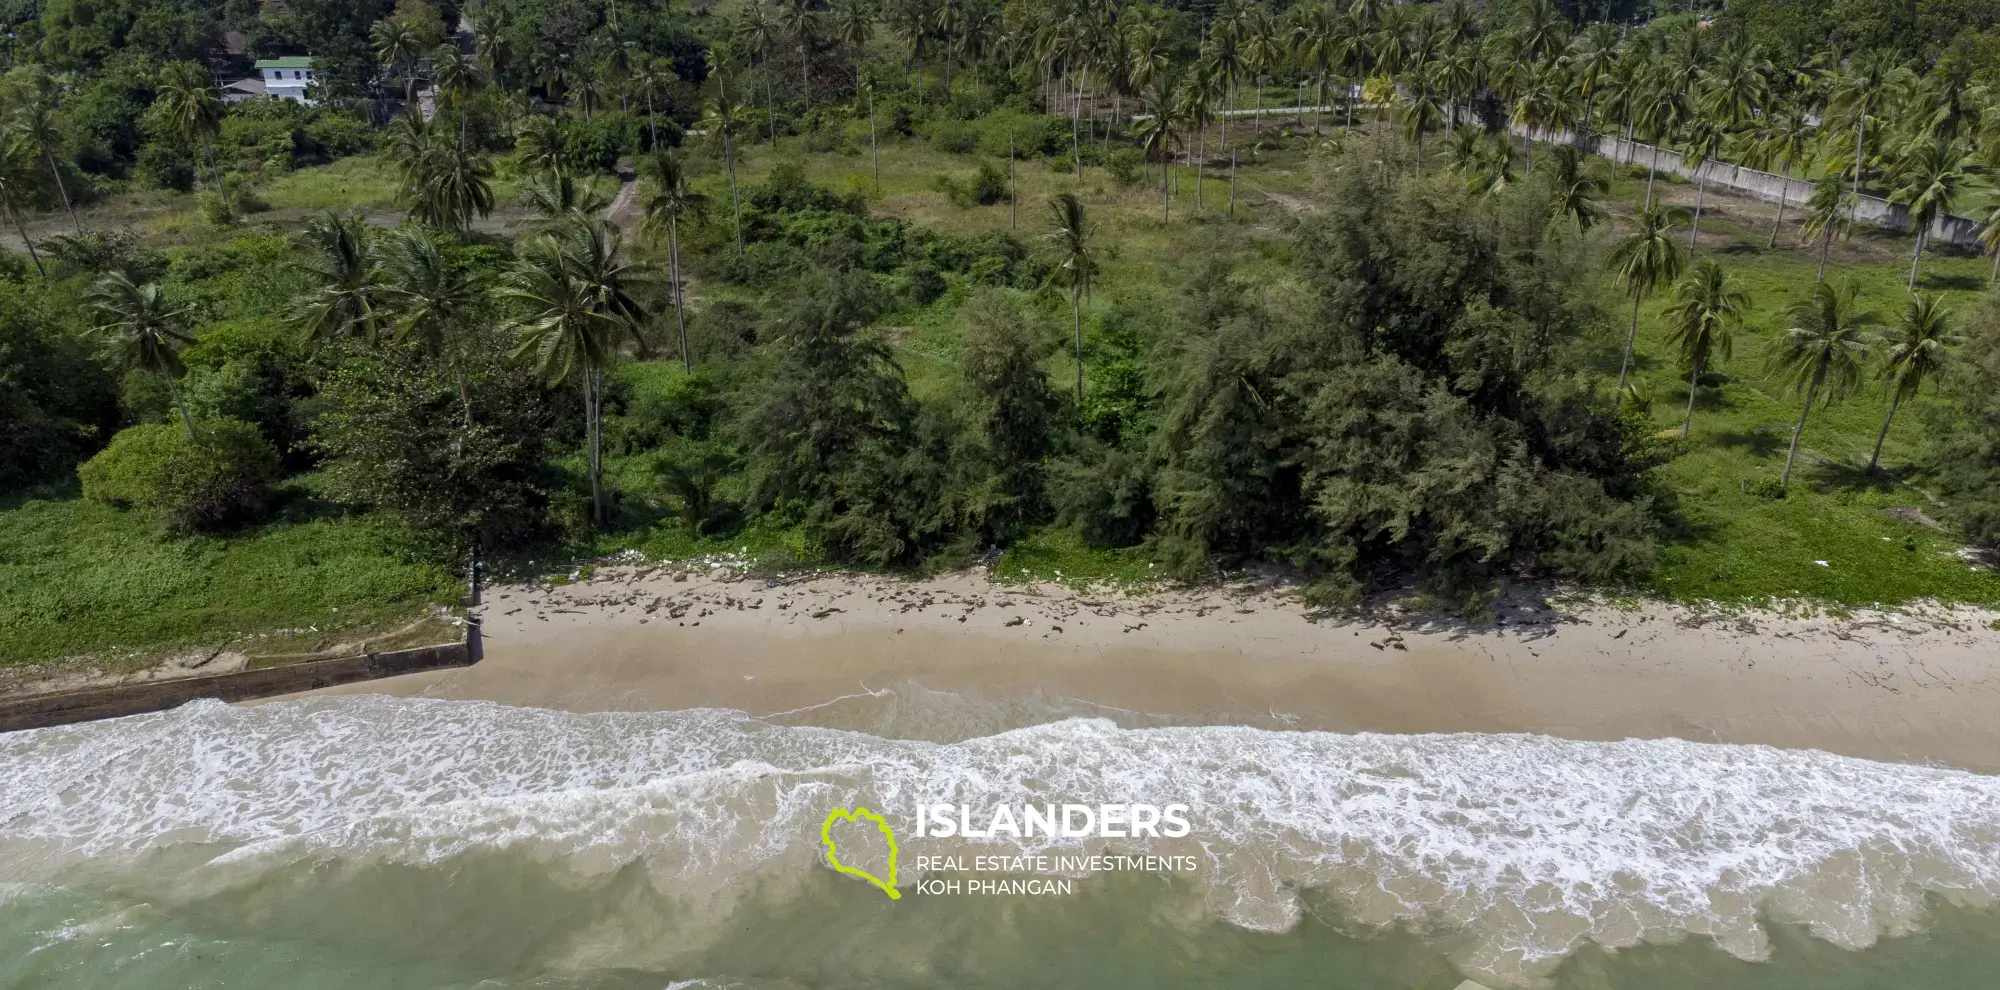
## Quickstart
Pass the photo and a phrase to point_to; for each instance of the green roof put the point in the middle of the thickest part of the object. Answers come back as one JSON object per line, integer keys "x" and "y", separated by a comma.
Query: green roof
{"x": 287, "y": 62}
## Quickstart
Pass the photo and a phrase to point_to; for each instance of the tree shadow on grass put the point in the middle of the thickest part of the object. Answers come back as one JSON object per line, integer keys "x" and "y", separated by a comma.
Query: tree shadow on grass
{"x": 1759, "y": 443}
{"x": 1832, "y": 476}
{"x": 1961, "y": 283}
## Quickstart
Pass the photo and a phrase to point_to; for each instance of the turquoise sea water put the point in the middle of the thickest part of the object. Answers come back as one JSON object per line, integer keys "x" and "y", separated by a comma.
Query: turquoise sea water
{"x": 375, "y": 842}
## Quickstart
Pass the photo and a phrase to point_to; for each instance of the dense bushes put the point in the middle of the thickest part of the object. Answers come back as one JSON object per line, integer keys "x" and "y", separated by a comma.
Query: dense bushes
{"x": 223, "y": 474}
{"x": 56, "y": 400}
{"x": 1964, "y": 448}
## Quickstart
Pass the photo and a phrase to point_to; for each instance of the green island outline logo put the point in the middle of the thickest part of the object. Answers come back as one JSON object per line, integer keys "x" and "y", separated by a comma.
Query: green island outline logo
{"x": 833, "y": 855}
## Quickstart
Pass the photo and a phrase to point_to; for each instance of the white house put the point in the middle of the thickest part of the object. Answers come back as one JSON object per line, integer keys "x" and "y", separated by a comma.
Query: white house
{"x": 287, "y": 78}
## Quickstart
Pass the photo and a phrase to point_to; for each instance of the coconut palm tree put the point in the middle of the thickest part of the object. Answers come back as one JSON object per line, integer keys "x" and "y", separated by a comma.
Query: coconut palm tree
{"x": 35, "y": 128}
{"x": 1989, "y": 239}
{"x": 1579, "y": 188}
{"x": 649, "y": 78}
{"x": 557, "y": 198}
{"x": 721, "y": 122}
{"x": 455, "y": 77}
{"x": 1930, "y": 179}
{"x": 1918, "y": 347}
{"x": 341, "y": 267}
{"x": 576, "y": 313}
{"x": 1070, "y": 233}
{"x": 453, "y": 184}
{"x": 1702, "y": 145}
{"x": 1788, "y": 133}
{"x": 672, "y": 201}
{"x": 1736, "y": 86}
{"x": 428, "y": 298}
{"x": 143, "y": 329}
{"x": 1706, "y": 309}
{"x": 1823, "y": 352}
{"x": 1589, "y": 60}
{"x": 1657, "y": 113}
{"x": 1827, "y": 213}
{"x": 1644, "y": 260}
{"x": 801, "y": 21}
{"x": 193, "y": 111}
{"x": 1162, "y": 104}
{"x": 1858, "y": 91}
{"x": 396, "y": 45}
{"x": 12, "y": 166}
{"x": 1424, "y": 111}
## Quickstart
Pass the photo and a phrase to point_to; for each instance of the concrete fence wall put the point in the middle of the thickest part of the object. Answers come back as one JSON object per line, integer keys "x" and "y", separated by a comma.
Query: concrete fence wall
{"x": 38, "y": 711}
{"x": 1764, "y": 186}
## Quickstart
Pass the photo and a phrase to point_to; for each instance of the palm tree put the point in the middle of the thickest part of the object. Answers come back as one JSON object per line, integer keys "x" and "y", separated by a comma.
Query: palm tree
{"x": 1162, "y": 104}
{"x": 1786, "y": 137}
{"x": 395, "y": 44}
{"x": 1918, "y": 349}
{"x": 1932, "y": 176}
{"x": 1706, "y": 308}
{"x": 1737, "y": 85}
{"x": 1643, "y": 261}
{"x": 1578, "y": 187}
{"x": 577, "y": 311}
{"x": 193, "y": 111}
{"x": 1655, "y": 117}
{"x": 144, "y": 331}
{"x": 342, "y": 269}
{"x": 1703, "y": 144}
{"x": 865, "y": 88}
{"x": 1989, "y": 239}
{"x": 558, "y": 198}
{"x": 452, "y": 187}
{"x": 757, "y": 34}
{"x": 802, "y": 22}
{"x": 455, "y": 77}
{"x": 1424, "y": 110}
{"x": 650, "y": 77}
{"x": 538, "y": 142}
{"x": 1823, "y": 352}
{"x": 11, "y": 166}
{"x": 721, "y": 124}
{"x": 429, "y": 298}
{"x": 35, "y": 128}
{"x": 1858, "y": 91}
{"x": 672, "y": 201}
{"x": 1070, "y": 234}
{"x": 1826, "y": 214}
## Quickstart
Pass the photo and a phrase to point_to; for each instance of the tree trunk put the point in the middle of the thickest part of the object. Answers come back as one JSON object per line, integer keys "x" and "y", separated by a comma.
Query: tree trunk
{"x": 680, "y": 305}
{"x": 1232, "y": 178}
{"x": 1800, "y": 429}
{"x": 592, "y": 401}
{"x": 1201, "y": 159}
{"x": 1076, "y": 315}
{"x": 464, "y": 392}
{"x": 181, "y": 404}
{"x": 56, "y": 171}
{"x": 1075, "y": 120}
{"x": 1700, "y": 194}
{"x": 1650, "y": 169}
{"x": 1625, "y": 365}
{"x": 1013, "y": 194}
{"x": 1876, "y": 458}
{"x": 1860, "y": 132}
{"x": 874, "y": 147}
{"x": 771, "y": 109}
{"x": 1917, "y": 256}
{"x": 1694, "y": 380}
{"x": 652, "y": 122}
{"x": 1783, "y": 188}
{"x": 1825, "y": 242}
{"x": 1167, "y": 190}
{"x": 215, "y": 170}
{"x": 8, "y": 199}
{"x": 735, "y": 203}
{"x": 1995, "y": 277}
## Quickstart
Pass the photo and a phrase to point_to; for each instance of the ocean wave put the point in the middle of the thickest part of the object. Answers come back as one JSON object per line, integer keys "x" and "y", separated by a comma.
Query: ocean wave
{"x": 1522, "y": 848}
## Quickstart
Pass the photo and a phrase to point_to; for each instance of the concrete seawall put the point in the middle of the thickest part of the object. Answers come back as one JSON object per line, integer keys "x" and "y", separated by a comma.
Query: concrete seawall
{"x": 38, "y": 711}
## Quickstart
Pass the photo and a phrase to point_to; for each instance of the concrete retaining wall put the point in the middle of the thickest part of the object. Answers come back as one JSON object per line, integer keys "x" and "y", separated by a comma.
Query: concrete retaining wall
{"x": 38, "y": 711}
{"x": 1764, "y": 186}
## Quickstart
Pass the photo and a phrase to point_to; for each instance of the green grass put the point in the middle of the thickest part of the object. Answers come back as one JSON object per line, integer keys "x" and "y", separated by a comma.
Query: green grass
{"x": 81, "y": 578}
{"x": 1058, "y": 555}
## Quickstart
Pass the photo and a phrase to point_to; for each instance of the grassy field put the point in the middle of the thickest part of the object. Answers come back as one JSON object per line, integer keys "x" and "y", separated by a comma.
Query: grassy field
{"x": 78, "y": 578}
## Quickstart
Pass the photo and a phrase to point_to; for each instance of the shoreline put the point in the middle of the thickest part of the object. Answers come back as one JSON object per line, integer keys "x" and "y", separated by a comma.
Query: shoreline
{"x": 833, "y": 650}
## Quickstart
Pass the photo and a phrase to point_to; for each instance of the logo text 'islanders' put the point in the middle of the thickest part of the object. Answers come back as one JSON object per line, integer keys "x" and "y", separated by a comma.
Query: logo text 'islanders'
{"x": 1067, "y": 821}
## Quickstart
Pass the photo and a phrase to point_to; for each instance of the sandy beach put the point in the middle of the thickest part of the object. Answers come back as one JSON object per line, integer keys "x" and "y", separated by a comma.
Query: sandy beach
{"x": 1908, "y": 686}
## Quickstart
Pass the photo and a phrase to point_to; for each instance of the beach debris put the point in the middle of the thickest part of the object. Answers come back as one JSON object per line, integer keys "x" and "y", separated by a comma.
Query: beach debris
{"x": 1469, "y": 985}
{"x": 823, "y": 613}
{"x": 1621, "y": 634}
{"x": 1015, "y": 621}
{"x": 1822, "y": 563}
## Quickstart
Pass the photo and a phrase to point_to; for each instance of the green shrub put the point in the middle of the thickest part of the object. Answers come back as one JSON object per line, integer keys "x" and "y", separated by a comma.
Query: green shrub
{"x": 224, "y": 478}
{"x": 954, "y": 136}
{"x": 1124, "y": 165}
{"x": 214, "y": 212}
{"x": 337, "y": 135}
{"x": 991, "y": 185}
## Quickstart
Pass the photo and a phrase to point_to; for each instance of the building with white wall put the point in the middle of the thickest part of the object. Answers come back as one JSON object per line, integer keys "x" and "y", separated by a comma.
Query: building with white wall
{"x": 287, "y": 78}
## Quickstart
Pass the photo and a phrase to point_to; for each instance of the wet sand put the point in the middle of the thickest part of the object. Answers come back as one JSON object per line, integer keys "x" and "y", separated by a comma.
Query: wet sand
{"x": 1910, "y": 687}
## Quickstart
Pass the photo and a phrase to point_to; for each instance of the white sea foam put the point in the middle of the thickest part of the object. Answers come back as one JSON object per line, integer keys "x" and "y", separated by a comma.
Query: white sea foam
{"x": 1529, "y": 846}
